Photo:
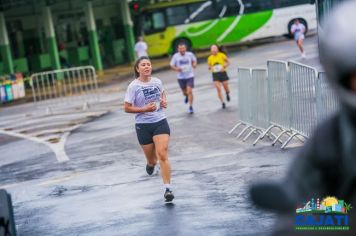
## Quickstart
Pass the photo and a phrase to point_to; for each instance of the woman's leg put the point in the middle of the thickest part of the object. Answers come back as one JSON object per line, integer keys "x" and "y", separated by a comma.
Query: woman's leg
{"x": 300, "y": 45}
{"x": 226, "y": 86}
{"x": 218, "y": 89}
{"x": 161, "y": 146}
{"x": 150, "y": 154}
{"x": 227, "y": 89}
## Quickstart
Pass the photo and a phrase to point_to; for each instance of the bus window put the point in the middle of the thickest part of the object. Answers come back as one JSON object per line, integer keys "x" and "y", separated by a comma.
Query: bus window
{"x": 201, "y": 11}
{"x": 257, "y": 5}
{"x": 228, "y": 7}
{"x": 177, "y": 15}
{"x": 154, "y": 22}
{"x": 289, "y": 3}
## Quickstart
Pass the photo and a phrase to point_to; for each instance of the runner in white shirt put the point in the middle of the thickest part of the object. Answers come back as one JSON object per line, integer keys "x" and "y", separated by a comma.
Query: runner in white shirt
{"x": 141, "y": 48}
{"x": 298, "y": 31}
{"x": 184, "y": 62}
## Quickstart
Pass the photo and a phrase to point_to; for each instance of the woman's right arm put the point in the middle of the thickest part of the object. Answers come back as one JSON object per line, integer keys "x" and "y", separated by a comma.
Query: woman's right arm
{"x": 293, "y": 28}
{"x": 129, "y": 108}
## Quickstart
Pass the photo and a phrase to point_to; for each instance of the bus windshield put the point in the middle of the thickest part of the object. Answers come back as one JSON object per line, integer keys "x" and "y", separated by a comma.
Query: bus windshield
{"x": 154, "y": 22}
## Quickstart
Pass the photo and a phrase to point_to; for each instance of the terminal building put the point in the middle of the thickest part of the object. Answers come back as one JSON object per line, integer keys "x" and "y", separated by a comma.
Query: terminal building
{"x": 40, "y": 35}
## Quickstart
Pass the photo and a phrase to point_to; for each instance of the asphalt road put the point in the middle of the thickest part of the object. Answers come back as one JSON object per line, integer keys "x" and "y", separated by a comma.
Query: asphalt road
{"x": 103, "y": 189}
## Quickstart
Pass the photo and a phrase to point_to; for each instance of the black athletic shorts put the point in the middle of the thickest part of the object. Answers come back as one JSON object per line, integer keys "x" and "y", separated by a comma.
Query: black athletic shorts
{"x": 220, "y": 76}
{"x": 146, "y": 131}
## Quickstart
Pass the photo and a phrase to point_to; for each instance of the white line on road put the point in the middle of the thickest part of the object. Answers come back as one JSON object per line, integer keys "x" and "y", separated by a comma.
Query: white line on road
{"x": 57, "y": 148}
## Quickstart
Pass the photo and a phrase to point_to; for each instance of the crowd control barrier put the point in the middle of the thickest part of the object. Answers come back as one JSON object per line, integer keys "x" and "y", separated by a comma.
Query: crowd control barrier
{"x": 54, "y": 88}
{"x": 288, "y": 98}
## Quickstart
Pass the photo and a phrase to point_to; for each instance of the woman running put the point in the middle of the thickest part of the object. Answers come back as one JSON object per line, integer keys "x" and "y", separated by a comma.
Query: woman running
{"x": 218, "y": 63}
{"x": 145, "y": 96}
{"x": 298, "y": 31}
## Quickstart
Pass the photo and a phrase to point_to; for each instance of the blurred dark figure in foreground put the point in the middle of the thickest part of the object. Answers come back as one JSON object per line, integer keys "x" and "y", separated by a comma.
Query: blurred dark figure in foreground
{"x": 326, "y": 165}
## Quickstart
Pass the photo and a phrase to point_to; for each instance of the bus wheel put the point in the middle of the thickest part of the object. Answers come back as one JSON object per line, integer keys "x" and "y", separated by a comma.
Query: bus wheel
{"x": 178, "y": 41}
{"x": 302, "y": 21}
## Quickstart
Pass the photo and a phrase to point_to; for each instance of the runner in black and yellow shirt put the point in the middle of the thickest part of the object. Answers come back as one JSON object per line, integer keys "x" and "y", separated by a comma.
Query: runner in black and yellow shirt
{"x": 218, "y": 63}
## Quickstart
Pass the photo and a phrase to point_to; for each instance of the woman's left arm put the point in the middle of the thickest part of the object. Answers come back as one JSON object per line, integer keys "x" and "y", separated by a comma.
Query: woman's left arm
{"x": 227, "y": 62}
{"x": 163, "y": 102}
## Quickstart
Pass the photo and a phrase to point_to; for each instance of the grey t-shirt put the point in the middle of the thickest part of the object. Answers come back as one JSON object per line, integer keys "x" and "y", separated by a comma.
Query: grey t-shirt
{"x": 185, "y": 63}
{"x": 139, "y": 94}
{"x": 298, "y": 31}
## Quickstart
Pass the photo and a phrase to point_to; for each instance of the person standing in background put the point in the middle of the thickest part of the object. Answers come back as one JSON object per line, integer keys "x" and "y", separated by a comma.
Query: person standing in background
{"x": 141, "y": 48}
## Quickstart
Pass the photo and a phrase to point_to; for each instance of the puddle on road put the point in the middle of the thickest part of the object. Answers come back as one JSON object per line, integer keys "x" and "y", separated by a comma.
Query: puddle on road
{"x": 54, "y": 140}
{"x": 59, "y": 191}
{"x": 263, "y": 166}
{"x": 60, "y": 132}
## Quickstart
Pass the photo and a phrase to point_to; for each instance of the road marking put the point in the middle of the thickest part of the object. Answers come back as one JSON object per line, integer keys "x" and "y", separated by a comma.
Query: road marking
{"x": 57, "y": 148}
{"x": 48, "y": 182}
{"x": 60, "y": 179}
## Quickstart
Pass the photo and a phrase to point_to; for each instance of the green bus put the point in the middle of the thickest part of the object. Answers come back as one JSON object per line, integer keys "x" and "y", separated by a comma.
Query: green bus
{"x": 201, "y": 23}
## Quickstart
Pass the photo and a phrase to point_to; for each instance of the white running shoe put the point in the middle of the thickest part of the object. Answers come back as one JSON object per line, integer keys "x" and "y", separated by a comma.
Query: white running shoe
{"x": 304, "y": 55}
{"x": 157, "y": 169}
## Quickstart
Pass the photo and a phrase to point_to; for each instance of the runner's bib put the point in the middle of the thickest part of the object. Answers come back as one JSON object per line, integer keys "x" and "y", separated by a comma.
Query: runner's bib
{"x": 217, "y": 68}
{"x": 186, "y": 68}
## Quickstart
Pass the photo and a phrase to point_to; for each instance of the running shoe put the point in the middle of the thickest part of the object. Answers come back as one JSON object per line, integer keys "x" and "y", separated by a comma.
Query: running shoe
{"x": 228, "y": 97}
{"x": 191, "y": 111}
{"x": 168, "y": 195}
{"x": 186, "y": 99}
{"x": 223, "y": 105}
{"x": 150, "y": 169}
{"x": 157, "y": 169}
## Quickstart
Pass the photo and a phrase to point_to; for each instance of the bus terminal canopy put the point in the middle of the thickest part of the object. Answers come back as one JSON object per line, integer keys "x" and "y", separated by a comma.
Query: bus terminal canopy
{"x": 6, "y": 5}
{"x": 40, "y": 35}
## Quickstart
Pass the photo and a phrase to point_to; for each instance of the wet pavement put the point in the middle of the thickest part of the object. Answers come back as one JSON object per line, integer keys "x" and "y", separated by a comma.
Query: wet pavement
{"x": 103, "y": 189}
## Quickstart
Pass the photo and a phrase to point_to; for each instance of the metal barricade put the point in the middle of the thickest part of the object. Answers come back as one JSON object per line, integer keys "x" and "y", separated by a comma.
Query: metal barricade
{"x": 259, "y": 91}
{"x": 303, "y": 98}
{"x": 244, "y": 100}
{"x": 53, "y": 88}
{"x": 326, "y": 101}
{"x": 259, "y": 102}
{"x": 291, "y": 97}
{"x": 253, "y": 101}
{"x": 278, "y": 93}
{"x": 279, "y": 113}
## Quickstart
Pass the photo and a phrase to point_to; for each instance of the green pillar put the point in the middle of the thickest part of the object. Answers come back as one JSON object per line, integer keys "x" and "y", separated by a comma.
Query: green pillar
{"x": 128, "y": 29}
{"x": 51, "y": 38}
{"x": 20, "y": 44}
{"x": 93, "y": 37}
{"x": 5, "y": 47}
